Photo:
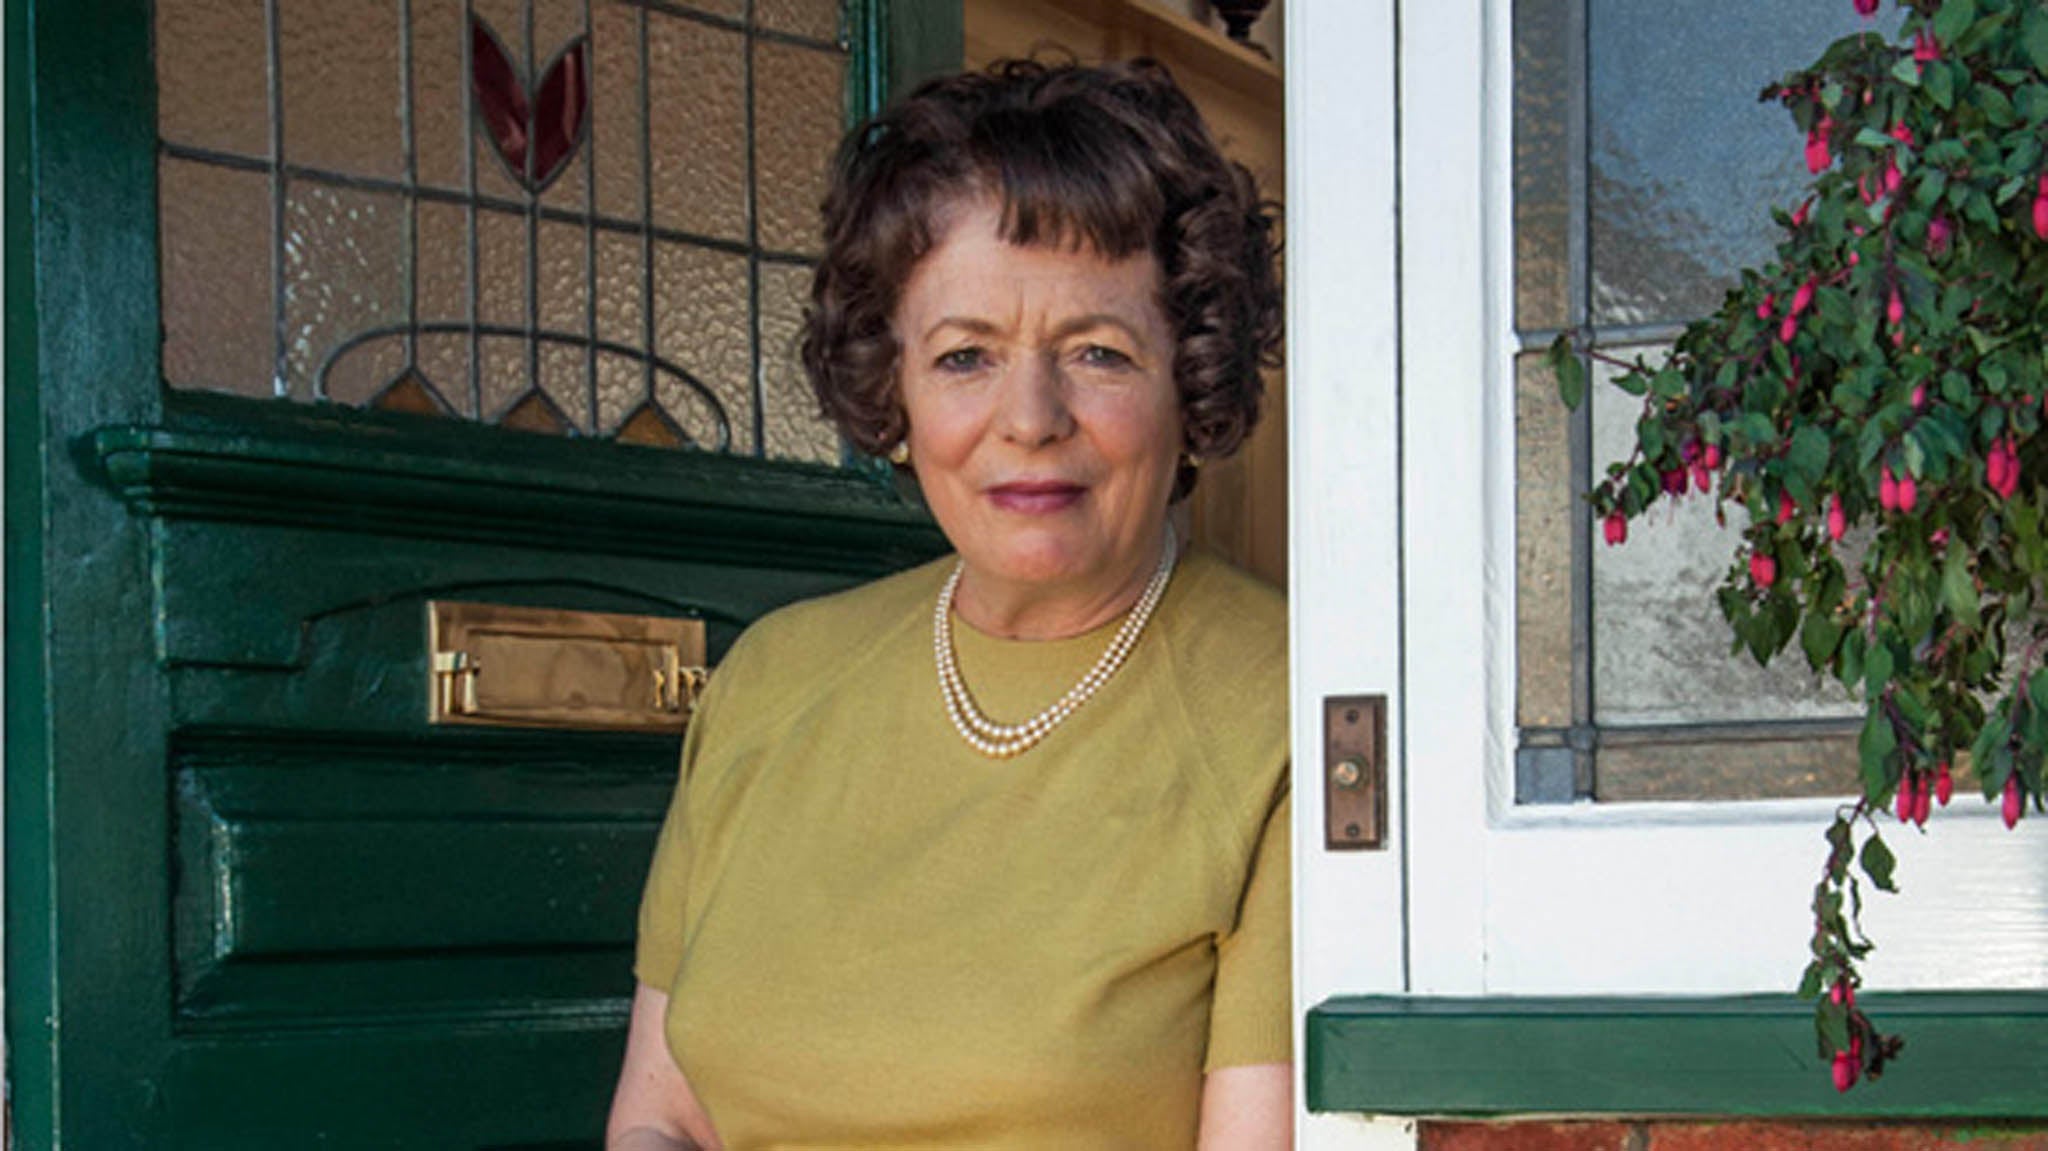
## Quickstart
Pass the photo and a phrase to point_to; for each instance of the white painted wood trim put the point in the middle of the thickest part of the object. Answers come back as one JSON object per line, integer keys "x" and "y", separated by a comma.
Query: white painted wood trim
{"x": 1342, "y": 479}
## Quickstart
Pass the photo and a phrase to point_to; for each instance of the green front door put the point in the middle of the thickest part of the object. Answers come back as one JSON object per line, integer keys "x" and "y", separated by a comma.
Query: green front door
{"x": 254, "y": 898}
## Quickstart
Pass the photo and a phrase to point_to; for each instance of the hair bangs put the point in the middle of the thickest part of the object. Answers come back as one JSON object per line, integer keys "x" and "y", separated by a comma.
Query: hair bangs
{"x": 1066, "y": 181}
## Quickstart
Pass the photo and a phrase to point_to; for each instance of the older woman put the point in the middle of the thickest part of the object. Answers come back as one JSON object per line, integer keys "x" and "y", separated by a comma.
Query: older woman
{"x": 994, "y": 852}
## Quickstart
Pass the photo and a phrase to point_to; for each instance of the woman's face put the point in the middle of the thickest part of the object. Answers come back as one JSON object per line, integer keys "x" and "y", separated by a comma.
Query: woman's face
{"x": 1044, "y": 423}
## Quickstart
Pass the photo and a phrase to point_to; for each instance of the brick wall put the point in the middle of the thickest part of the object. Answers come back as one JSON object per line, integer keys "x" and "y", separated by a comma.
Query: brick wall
{"x": 1730, "y": 1136}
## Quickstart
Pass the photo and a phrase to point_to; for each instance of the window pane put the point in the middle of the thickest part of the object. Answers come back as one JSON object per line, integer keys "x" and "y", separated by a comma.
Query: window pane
{"x": 1684, "y": 158}
{"x": 1544, "y": 89}
{"x": 1660, "y": 643}
{"x": 1544, "y": 508}
{"x": 546, "y": 214}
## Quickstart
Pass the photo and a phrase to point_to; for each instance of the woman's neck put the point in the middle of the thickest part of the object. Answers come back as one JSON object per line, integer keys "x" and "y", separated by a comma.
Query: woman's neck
{"x": 1037, "y": 611}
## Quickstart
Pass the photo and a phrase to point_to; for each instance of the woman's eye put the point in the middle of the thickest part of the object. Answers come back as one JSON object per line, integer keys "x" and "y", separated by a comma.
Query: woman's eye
{"x": 961, "y": 360}
{"x": 1096, "y": 355}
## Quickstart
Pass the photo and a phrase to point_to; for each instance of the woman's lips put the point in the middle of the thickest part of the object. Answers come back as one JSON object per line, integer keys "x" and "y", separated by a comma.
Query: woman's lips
{"x": 1035, "y": 497}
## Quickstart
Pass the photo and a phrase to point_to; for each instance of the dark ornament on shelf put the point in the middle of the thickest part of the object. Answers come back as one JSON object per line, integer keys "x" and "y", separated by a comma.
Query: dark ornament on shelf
{"x": 1238, "y": 18}
{"x": 535, "y": 132}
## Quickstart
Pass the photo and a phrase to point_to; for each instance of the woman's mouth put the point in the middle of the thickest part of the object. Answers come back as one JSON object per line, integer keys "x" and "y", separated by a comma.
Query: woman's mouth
{"x": 1036, "y": 497}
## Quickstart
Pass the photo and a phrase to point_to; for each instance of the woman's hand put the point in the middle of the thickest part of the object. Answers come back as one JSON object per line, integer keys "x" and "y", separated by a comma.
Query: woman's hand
{"x": 1248, "y": 1108}
{"x": 654, "y": 1108}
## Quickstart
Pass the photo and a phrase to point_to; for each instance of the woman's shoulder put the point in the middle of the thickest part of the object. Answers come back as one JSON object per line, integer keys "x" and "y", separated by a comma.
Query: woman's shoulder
{"x": 808, "y": 635}
{"x": 1228, "y": 627}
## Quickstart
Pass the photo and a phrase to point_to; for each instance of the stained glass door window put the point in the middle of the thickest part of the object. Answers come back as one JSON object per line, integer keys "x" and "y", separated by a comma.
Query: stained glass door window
{"x": 585, "y": 217}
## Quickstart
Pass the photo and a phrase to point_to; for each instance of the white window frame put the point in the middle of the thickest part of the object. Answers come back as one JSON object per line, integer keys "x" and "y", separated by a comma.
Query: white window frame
{"x": 1400, "y": 268}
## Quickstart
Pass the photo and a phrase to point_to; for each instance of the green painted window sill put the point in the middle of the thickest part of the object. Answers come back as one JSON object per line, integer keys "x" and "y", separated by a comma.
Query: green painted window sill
{"x": 1980, "y": 1055}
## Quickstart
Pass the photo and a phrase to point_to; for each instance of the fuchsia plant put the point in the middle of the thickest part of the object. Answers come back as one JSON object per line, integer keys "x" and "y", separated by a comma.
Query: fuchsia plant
{"x": 1886, "y": 370}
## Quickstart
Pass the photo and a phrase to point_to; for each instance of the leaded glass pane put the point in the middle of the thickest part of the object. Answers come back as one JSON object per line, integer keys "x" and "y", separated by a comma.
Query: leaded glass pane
{"x": 1544, "y": 90}
{"x": 575, "y": 217}
{"x": 1544, "y": 508}
{"x": 1683, "y": 156}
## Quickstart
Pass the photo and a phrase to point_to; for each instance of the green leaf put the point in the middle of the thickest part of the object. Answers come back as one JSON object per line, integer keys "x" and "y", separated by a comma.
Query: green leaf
{"x": 1810, "y": 982}
{"x": 1941, "y": 85}
{"x": 1820, "y": 636}
{"x": 1808, "y": 455}
{"x": 1954, "y": 19}
{"x": 1632, "y": 382}
{"x": 1958, "y": 590}
{"x": 1571, "y": 372}
{"x": 1873, "y": 748}
{"x": 1906, "y": 72}
{"x": 1877, "y": 861}
{"x": 1833, "y": 1021}
{"x": 2034, "y": 39}
{"x": 1668, "y": 384}
{"x": 1877, "y": 672}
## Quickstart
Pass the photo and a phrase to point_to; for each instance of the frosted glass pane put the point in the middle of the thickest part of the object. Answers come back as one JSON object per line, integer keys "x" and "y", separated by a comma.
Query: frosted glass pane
{"x": 792, "y": 426}
{"x": 1544, "y": 80}
{"x": 438, "y": 84}
{"x": 219, "y": 323}
{"x": 343, "y": 277}
{"x": 1727, "y": 769}
{"x": 697, "y": 77}
{"x": 615, "y": 141}
{"x": 557, "y": 25}
{"x": 700, "y": 314}
{"x": 501, "y": 303}
{"x": 213, "y": 76}
{"x": 442, "y": 284}
{"x": 1684, "y": 158}
{"x": 1660, "y": 644}
{"x": 817, "y": 19}
{"x": 621, "y": 316}
{"x": 800, "y": 107}
{"x": 342, "y": 87}
{"x": 1544, "y": 508}
{"x": 564, "y": 298}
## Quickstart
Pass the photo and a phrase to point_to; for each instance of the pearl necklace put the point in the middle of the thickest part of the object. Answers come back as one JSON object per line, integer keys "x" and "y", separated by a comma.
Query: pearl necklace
{"x": 1007, "y": 740}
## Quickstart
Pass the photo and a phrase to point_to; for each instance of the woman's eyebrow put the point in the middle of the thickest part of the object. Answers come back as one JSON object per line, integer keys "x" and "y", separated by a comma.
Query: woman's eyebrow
{"x": 971, "y": 325}
{"x": 1092, "y": 321}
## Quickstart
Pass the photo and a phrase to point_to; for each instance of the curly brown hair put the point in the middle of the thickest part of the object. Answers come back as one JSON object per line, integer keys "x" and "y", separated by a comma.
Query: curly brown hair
{"x": 1113, "y": 156}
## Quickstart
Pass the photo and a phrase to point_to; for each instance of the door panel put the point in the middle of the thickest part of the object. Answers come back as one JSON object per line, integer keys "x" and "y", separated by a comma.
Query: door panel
{"x": 254, "y": 898}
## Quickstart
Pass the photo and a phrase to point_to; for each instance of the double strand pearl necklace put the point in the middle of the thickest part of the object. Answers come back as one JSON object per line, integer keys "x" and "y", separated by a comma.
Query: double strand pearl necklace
{"x": 1006, "y": 740}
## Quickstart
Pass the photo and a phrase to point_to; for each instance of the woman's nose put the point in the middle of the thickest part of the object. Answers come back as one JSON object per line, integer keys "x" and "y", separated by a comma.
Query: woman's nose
{"x": 1034, "y": 407}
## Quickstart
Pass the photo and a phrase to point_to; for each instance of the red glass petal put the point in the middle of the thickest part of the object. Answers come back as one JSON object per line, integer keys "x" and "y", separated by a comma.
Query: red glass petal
{"x": 500, "y": 96}
{"x": 559, "y": 110}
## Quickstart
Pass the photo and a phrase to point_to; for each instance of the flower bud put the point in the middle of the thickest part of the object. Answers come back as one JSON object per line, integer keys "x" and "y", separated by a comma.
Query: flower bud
{"x": 1788, "y": 328}
{"x": 2041, "y": 213}
{"x": 1895, "y": 309}
{"x": 1803, "y": 298}
{"x": 1711, "y": 455}
{"x": 2011, "y": 806}
{"x": 1887, "y": 489}
{"x": 1923, "y": 800}
{"x": 1799, "y": 214}
{"x": 1909, "y": 492}
{"x": 1786, "y": 508}
{"x": 1763, "y": 570}
{"x": 1615, "y": 527}
{"x": 1866, "y": 8}
{"x": 1939, "y": 233}
{"x": 1926, "y": 49}
{"x": 1838, "y": 519}
{"x": 1919, "y": 396}
{"x": 1845, "y": 1064}
{"x": 1765, "y": 309}
{"x": 1903, "y": 808}
{"x": 1944, "y": 783}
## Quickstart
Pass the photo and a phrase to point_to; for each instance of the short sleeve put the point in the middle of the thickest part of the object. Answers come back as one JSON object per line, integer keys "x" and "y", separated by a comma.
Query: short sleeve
{"x": 1251, "y": 1011}
{"x": 659, "y": 950}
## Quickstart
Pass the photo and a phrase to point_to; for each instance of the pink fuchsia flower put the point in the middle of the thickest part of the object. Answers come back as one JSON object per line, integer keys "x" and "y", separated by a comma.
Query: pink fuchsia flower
{"x": 1803, "y": 298}
{"x": 1906, "y": 801}
{"x": 1838, "y": 519}
{"x": 1786, "y": 508}
{"x": 1887, "y": 489}
{"x": 1788, "y": 328}
{"x": 1845, "y": 1063}
{"x": 1799, "y": 215}
{"x": 1615, "y": 528}
{"x": 1944, "y": 784}
{"x": 1939, "y": 235}
{"x": 1919, "y": 396}
{"x": 1765, "y": 310}
{"x": 2011, "y": 807}
{"x": 1866, "y": 8}
{"x": 2041, "y": 209}
{"x": 1817, "y": 155}
{"x": 1926, "y": 49}
{"x": 1902, "y": 133}
{"x": 2002, "y": 468}
{"x": 1674, "y": 481}
{"x": 1763, "y": 569}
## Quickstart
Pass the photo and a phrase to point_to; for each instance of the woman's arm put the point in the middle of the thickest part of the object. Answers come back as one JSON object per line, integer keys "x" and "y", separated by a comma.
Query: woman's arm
{"x": 654, "y": 1108}
{"x": 1248, "y": 1108}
